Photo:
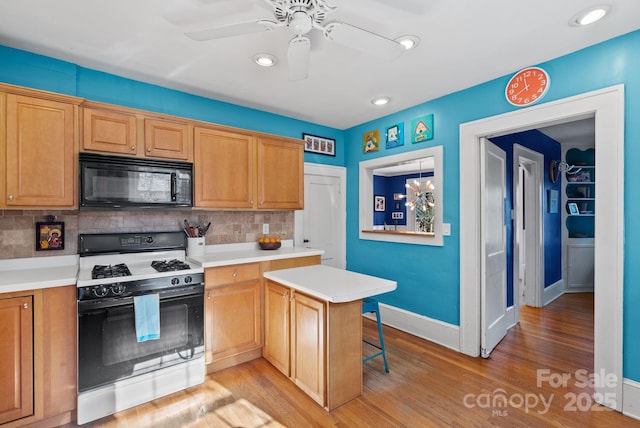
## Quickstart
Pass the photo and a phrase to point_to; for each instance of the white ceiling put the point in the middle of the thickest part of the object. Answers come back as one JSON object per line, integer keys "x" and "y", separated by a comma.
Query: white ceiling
{"x": 463, "y": 43}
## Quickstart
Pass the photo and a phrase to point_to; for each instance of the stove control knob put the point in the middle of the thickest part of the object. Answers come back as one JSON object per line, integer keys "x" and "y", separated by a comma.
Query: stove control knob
{"x": 175, "y": 281}
{"x": 100, "y": 290}
{"x": 118, "y": 289}
{"x": 149, "y": 239}
{"x": 188, "y": 280}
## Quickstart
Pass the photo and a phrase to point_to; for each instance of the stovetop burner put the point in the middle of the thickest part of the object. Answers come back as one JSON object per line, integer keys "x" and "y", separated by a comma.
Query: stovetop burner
{"x": 110, "y": 271}
{"x": 171, "y": 265}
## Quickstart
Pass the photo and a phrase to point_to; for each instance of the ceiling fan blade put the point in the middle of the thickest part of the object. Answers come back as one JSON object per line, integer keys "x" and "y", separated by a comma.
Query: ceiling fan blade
{"x": 363, "y": 40}
{"x": 299, "y": 51}
{"x": 229, "y": 30}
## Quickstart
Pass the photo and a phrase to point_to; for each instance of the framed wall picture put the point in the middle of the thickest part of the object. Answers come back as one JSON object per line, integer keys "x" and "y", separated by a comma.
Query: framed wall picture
{"x": 395, "y": 136}
{"x": 573, "y": 208}
{"x": 49, "y": 236}
{"x": 379, "y": 203}
{"x": 422, "y": 129}
{"x": 552, "y": 201}
{"x": 322, "y": 145}
{"x": 371, "y": 141}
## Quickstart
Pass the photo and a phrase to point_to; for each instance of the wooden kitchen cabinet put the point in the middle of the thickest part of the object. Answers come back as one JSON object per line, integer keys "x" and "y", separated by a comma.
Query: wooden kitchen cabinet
{"x": 167, "y": 139}
{"x": 38, "y": 145}
{"x": 16, "y": 348}
{"x": 317, "y": 344}
{"x": 38, "y": 328}
{"x": 295, "y": 338}
{"x": 280, "y": 173}
{"x": 224, "y": 170}
{"x": 110, "y": 129}
{"x": 233, "y": 315}
{"x": 235, "y": 169}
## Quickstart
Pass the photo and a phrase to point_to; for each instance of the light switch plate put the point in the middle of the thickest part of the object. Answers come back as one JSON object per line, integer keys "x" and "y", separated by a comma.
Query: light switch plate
{"x": 446, "y": 229}
{"x": 265, "y": 229}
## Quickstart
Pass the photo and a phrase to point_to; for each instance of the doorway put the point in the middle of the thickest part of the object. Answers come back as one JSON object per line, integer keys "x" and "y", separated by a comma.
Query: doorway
{"x": 321, "y": 225}
{"x": 607, "y": 106}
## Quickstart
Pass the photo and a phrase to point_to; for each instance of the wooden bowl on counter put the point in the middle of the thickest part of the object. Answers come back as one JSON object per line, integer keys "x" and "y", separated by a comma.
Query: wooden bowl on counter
{"x": 269, "y": 245}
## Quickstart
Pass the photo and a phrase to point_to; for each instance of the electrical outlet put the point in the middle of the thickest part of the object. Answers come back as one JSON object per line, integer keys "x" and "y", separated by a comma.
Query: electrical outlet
{"x": 265, "y": 229}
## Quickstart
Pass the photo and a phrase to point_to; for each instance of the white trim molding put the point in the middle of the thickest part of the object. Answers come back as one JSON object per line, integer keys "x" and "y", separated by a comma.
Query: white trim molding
{"x": 607, "y": 107}
{"x": 631, "y": 402}
{"x": 552, "y": 292}
{"x": 439, "y": 332}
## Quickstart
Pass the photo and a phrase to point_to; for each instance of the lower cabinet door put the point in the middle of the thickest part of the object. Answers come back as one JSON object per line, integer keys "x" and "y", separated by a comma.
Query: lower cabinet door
{"x": 16, "y": 365}
{"x": 276, "y": 326}
{"x": 233, "y": 320}
{"x": 308, "y": 346}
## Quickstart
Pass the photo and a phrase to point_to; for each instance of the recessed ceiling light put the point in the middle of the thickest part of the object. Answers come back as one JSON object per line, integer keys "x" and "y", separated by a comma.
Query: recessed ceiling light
{"x": 265, "y": 60}
{"x": 409, "y": 42}
{"x": 380, "y": 101}
{"x": 589, "y": 16}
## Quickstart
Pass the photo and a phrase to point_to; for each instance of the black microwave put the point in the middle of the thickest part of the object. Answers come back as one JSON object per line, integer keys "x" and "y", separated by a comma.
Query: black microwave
{"x": 108, "y": 182}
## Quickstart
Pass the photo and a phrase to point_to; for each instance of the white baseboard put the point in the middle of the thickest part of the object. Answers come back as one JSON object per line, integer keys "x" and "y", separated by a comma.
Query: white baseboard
{"x": 439, "y": 332}
{"x": 631, "y": 398}
{"x": 552, "y": 292}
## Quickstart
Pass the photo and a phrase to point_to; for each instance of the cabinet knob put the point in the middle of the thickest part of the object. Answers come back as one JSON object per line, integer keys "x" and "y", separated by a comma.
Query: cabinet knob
{"x": 133, "y": 147}
{"x": 234, "y": 274}
{"x": 25, "y": 305}
{"x": 209, "y": 295}
{"x": 148, "y": 149}
{"x": 10, "y": 197}
{"x": 284, "y": 295}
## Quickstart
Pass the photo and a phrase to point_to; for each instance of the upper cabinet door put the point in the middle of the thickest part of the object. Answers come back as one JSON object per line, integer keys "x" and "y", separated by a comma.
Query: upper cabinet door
{"x": 166, "y": 139}
{"x": 109, "y": 131}
{"x": 41, "y": 142}
{"x": 280, "y": 173}
{"x": 223, "y": 169}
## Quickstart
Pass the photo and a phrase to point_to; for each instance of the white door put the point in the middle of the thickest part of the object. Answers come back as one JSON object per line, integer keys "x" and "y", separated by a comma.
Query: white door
{"x": 322, "y": 223}
{"x": 493, "y": 290}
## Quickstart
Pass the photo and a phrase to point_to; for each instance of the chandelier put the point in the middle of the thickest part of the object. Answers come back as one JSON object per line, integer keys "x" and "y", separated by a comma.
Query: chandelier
{"x": 421, "y": 195}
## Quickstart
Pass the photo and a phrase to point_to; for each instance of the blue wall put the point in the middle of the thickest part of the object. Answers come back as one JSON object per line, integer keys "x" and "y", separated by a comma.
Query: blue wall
{"x": 552, "y": 222}
{"x": 432, "y": 289}
{"x": 40, "y": 72}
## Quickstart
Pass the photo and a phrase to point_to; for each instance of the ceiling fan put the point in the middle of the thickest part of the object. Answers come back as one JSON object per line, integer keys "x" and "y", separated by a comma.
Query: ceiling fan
{"x": 301, "y": 16}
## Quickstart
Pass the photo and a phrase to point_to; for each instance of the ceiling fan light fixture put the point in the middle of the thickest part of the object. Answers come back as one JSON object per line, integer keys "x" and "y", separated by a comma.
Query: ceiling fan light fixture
{"x": 409, "y": 42}
{"x": 589, "y": 16}
{"x": 265, "y": 60}
{"x": 380, "y": 101}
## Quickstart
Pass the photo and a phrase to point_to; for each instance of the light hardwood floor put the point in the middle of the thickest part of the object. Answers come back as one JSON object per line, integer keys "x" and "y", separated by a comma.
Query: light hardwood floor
{"x": 428, "y": 385}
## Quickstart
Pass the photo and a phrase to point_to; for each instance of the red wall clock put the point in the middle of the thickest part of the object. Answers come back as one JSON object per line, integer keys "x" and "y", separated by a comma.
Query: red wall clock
{"x": 527, "y": 86}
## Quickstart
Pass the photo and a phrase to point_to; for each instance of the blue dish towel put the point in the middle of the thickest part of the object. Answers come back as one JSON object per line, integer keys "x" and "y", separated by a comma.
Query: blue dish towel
{"x": 147, "y": 311}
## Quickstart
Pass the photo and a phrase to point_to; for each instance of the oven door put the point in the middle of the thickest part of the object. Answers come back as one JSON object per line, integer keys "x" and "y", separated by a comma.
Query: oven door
{"x": 107, "y": 347}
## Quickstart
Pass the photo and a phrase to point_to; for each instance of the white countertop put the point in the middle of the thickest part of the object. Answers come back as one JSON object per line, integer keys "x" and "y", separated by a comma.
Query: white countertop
{"x": 233, "y": 254}
{"x": 331, "y": 284}
{"x": 37, "y": 272}
{"x": 54, "y": 271}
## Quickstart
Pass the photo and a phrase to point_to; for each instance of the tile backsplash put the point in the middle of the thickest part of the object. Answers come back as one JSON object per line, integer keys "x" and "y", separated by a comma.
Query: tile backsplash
{"x": 18, "y": 233}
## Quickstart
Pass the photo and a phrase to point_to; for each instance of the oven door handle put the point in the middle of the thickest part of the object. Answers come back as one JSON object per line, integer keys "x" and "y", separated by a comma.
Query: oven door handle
{"x": 85, "y": 306}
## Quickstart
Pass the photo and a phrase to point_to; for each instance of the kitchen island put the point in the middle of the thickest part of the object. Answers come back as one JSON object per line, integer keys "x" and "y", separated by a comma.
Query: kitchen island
{"x": 313, "y": 328}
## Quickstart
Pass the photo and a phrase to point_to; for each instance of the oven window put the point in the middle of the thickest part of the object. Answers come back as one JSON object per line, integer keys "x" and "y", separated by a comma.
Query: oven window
{"x": 107, "y": 345}
{"x": 119, "y": 343}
